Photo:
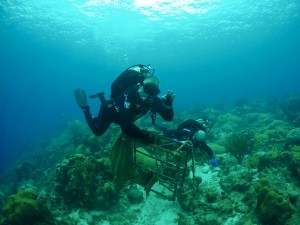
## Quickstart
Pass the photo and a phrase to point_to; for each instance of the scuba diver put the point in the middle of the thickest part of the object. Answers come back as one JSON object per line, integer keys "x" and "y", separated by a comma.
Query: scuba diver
{"x": 195, "y": 131}
{"x": 133, "y": 94}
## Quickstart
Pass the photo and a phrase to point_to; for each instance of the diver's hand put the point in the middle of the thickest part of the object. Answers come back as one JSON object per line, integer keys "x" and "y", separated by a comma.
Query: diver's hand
{"x": 85, "y": 108}
{"x": 149, "y": 100}
{"x": 169, "y": 97}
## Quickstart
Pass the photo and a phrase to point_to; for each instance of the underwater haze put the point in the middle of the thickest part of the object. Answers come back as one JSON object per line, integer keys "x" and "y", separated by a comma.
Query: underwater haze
{"x": 207, "y": 51}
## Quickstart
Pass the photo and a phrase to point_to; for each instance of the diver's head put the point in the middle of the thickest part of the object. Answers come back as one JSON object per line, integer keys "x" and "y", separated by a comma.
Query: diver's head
{"x": 138, "y": 69}
{"x": 205, "y": 123}
{"x": 199, "y": 136}
{"x": 143, "y": 70}
{"x": 151, "y": 86}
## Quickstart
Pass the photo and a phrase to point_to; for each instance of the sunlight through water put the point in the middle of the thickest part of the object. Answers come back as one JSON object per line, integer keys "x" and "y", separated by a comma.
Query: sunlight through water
{"x": 129, "y": 29}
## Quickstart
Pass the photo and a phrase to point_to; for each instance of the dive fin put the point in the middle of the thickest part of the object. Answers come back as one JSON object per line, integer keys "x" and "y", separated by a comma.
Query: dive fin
{"x": 80, "y": 96}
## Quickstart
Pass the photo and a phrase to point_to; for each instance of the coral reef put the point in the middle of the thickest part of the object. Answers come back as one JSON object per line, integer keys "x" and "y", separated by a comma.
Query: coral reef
{"x": 293, "y": 137}
{"x": 238, "y": 144}
{"x": 254, "y": 184}
{"x": 24, "y": 208}
{"x": 2, "y": 200}
{"x": 135, "y": 195}
{"x": 84, "y": 181}
{"x": 291, "y": 108}
{"x": 282, "y": 159}
{"x": 272, "y": 207}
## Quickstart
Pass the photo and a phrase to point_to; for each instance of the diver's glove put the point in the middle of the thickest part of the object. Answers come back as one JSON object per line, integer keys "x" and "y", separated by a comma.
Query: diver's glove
{"x": 85, "y": 108}
{"x": 214, "y": 162}
{"x": 169, "y": 97}
{"x": 149, "y": 100}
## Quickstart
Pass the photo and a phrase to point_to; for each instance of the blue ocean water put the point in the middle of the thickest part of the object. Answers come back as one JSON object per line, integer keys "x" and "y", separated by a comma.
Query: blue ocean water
{"x": 207, "y": 51}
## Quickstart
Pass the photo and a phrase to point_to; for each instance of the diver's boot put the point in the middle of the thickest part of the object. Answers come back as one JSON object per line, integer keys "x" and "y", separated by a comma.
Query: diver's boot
{"x": 101, "y": 96}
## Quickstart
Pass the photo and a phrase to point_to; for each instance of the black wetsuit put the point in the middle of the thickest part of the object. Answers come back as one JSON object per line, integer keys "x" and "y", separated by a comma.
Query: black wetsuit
{"x": 124, "y": 109}
{"x": 185, "y": 131}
